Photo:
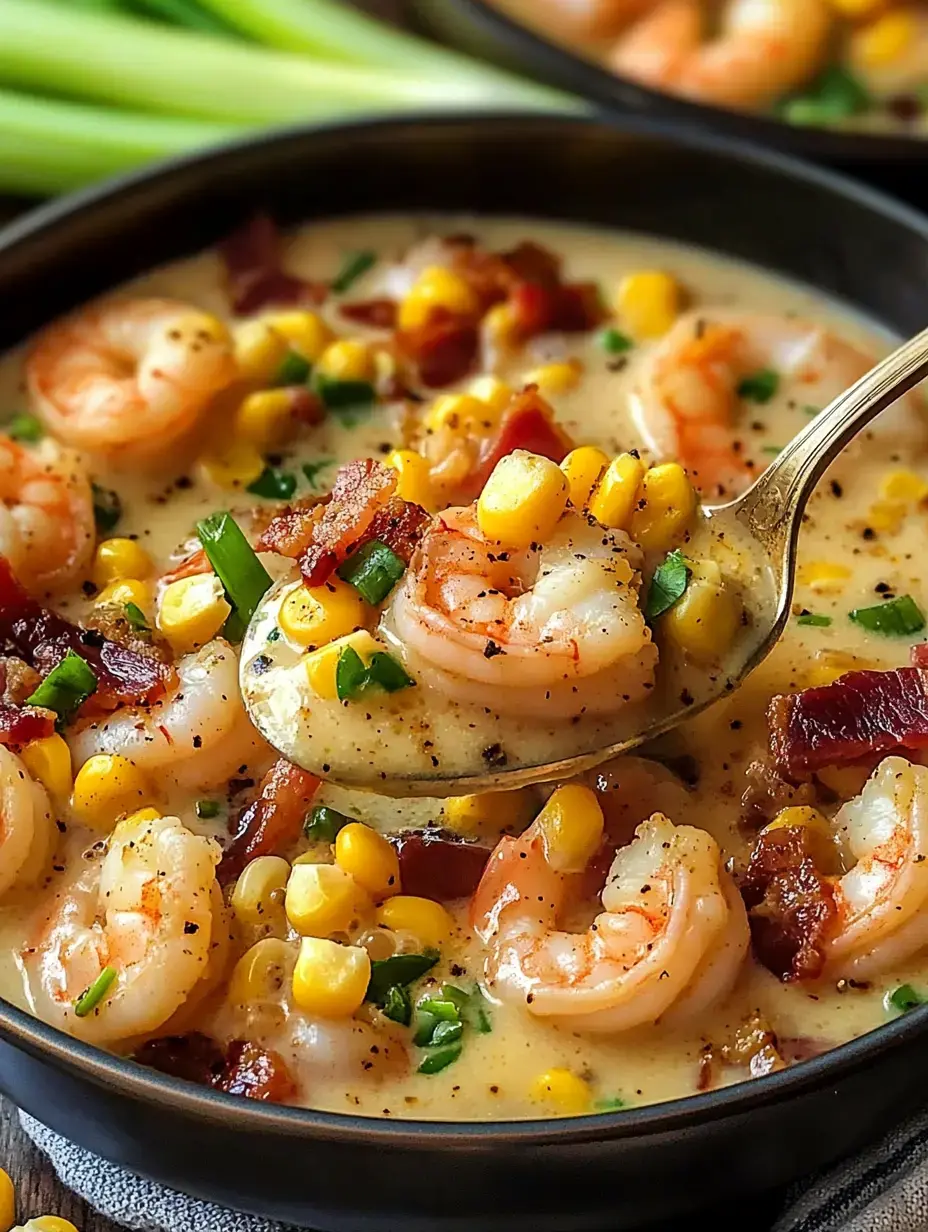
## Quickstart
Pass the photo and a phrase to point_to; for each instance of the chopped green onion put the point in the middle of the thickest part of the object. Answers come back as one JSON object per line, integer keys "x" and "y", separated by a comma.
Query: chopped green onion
{"x": 808, "y": 409}
{"x": 107, "y": 507}
{"x": 397, "y": 1005}
{"x": 899, "y": 617}
{"x": 91, "y": 997}
{"x": 207, "y": 809}
{"x": 66, "y": 687}
{"x": 401, "y": 969}
{"x": 350, "y": 674}
{"x": 810, "y": 618}
{"x": 440, "y": 1058}
{"x": 612, "y": 1104}
{"x": 903, "y": 999}
{"x": 311, "y": 469}
{"x": 273, "y": 484}
{"x": 424, "y": 1029}
{"x": 614, "y": 342}
{"x": 324, "y": 823}
{"x": 773, "y": 450}
{"x": 25, "y": 428}
{"x": 471, "y": 1006}
{"x": 295, "y": 369}
{"x": 345, "y": 395}
{"x": 355, "y": 265}
{"x": 759, "y": 386}
{"x": 136, "y": 617}
{"x": 836, "y": 95}
{"x": 373, "y": 571}
{"x": 447, "y": 1032}
{"x": 668, "y": 585}
{"x": 383, "y": 671}
{"x": 442, "y": 1010}
{"x": 386, "y": 673}
{"x": 245, "y": 579}
{"x": 274, "y": 635}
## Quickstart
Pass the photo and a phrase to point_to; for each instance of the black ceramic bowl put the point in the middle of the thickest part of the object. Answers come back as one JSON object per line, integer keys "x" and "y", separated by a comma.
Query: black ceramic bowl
{"x": 618, "y": 1170}
{"x": 484, "y": 30}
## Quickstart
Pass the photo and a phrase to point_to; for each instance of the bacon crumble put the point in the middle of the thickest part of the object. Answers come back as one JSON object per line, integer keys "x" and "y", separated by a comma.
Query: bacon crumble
{"x": 254, "y": 275}
{"x": 274, "y": 821}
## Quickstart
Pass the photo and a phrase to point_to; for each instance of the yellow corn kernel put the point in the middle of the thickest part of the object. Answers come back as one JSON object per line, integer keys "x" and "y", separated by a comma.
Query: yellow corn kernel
{"x": 462, "y": 413}
{"x": 323, "y": 899}
{"x": 884, "y": 40}
{"x": 705, "y": 621}
{"x": 120, "y": 558}
{"x": 320, "y": 664}
{"x": 259, "y": 351}
{"x": 886, "y": 517}
{"x": 665, "y": 507}
{"x": 7, "y": 1202}
{"x": 563, "y": 1089}
{"x": 827, "y": 666}
{"x": 124, "y": 592}
{"x": 490, "y": 812}
{"x": 49, "y": 762}
{"x": 904, "y": 486}
{"x": 329, "y": 979}
{"x": 235, "y": 466}
{"x": 140, "y": 816}
{"x": 821, "y": 839}
{"x": 260, "y": 973}
{"x": 304, "y": 331}
{"x": 437, "y": 287}
{"x": 415, "y": 477}
{"x": 501, "y": 325}
{"x": 259, "y": 890}
{"x": 192, "y": 611}
{"x": 583, "y": 467}
{"x": 523, "y": 500}
{"x": 368, "y": 858}
{"x": 648, "y": 303}
{"x": 491, "y": 390}
{"x": 555, "y": 378}
{"x": 265, "y": 418}
{"x": 107, "y": 786}
{"x": 347, "y": 360}
{"x": 616, "y": 494}
{"x": 313, "y": 616}
{"x": 571, "y": 825}
{"x": 426, "y": 920}
{"x": 823, "y": 577}
{"x": 47, "y": 1223}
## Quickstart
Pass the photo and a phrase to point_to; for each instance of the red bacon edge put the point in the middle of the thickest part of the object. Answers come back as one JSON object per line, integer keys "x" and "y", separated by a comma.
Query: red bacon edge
{"x": 253, "y": 271}
{"x": 273, "y": 822}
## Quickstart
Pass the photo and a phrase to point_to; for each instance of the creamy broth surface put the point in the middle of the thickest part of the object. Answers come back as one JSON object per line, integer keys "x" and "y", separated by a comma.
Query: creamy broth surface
{"x": 858, "y": 547}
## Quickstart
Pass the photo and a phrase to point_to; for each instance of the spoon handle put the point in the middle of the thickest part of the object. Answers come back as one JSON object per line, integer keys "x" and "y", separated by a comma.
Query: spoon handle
{"x": 772, "y": 508}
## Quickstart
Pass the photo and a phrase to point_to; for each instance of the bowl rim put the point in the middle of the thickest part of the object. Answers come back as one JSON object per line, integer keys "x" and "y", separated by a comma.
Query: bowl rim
{"x": 46, "y": 1043}
{"x": 590, "y": 80}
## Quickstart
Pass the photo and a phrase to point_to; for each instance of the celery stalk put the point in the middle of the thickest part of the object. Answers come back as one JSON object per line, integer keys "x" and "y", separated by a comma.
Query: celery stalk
{"x": 49, "y": 146}
{"x": 45, "y": 46}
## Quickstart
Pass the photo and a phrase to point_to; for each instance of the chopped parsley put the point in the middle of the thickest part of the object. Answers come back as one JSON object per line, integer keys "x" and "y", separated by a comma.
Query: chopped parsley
{"x": 759, "y": 386}
{"x": 668, "y": 585}
{"x": 91, "y": 997}
{"x": 614, "y": 342}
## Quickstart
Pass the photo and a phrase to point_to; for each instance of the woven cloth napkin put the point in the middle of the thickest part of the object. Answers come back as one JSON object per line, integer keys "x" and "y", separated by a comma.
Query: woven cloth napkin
{"x": 883, "y": 1190}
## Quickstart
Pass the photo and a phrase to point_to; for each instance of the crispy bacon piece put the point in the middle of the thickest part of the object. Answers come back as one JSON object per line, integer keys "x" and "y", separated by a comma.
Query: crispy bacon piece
{"x": 41, "y": 638}
{"x": 194, "y": 1057}
{"x": 400, "y": 524}
{"x": 527, "y": 424}
{"x": 21, "y": 724}
{"x": 376, "y": 313}
{"x": 435, "y": 865}
{"x": 861, "y": 715}
{"x": 273, "y": 822}
{"x": 253, "y": 271}
{"x": 444, "y": 349}
{"x": 768, "y": 794}
{"x": 254, "y": 1072}
{"x": 791, "y": 905}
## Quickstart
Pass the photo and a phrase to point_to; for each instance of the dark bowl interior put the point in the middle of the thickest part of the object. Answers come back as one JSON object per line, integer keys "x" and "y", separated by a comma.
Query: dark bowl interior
{"x": 484, "y": 30}
{"x": 618, "y": 1170}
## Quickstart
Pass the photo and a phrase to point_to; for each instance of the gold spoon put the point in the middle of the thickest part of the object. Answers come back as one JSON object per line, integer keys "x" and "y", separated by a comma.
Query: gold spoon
{"x": 766, "y": 519}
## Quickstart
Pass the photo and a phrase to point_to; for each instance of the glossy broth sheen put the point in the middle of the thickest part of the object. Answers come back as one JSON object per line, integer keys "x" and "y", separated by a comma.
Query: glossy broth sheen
{"x": 493, "y": 1077}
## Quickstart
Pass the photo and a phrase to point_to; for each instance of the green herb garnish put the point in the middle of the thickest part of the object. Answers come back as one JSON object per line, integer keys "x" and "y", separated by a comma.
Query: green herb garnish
{"x": 397, "y": 1005}
{"x": 903, "y": 999}
{"x": 245, "y": 579}
{"x": 425, "y": 1027}
{"x": 345, "y": 395}
{"x": 66, "y": 687}
{"x": 273, "y": 484}
{"x": 900, "y": 617}
{"x": 107, "y": 507}
{"x": 614, "y": 342}
{"x": 323, "y": 824}
{"x": 810, "y": 618}
{"x": 437, "y": 1059}
{"x": 91, "y": 997}
{"x": 773, "y": 450}
{"x": 311, "y": 469}
{"x": 383, "y": 672}
{"x": 207, "y": 809}
{"x": 471, "y": 1005}
{"x": 836, "y": 95}
{"x": 810, "y": 410}
{"x": 400, "y": 970}
{"x": 274, "y": 635}
{"x": 447, "y": 1032}
{"x": 25, "y": 428}
{"x": 136, "y": 618}
{"x": 759, "y": 386}
{"x": 355, "y": 265}
{"x": 373, "y": 571}
{"x": 612, "y": 1104}
{"x": 668, "y": 585}
{"x": 295, "y": 369}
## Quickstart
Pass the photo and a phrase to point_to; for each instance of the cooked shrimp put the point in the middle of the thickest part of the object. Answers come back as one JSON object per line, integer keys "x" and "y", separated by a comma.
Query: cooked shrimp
{"x": 26, "y": 826}
{"x": 882, "y": 901}
{"x": 762, "y": 49}
{"x": 686, "y": 403}
{"x": 46, "y": 514}
{"x": 195, "y": 736}
{"x": 144, "y": 910}
{"x": 673, "y": 933}
{"x": 592, "y": 18}
{"x": 551, "y": 631}
{"x": 126, "y": 378}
